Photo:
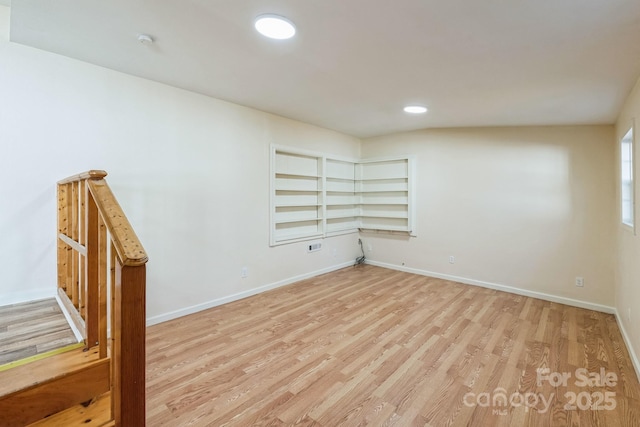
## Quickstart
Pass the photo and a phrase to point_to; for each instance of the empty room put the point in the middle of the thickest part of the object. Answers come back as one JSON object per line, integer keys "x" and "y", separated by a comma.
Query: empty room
{"x": 319, "y": 213}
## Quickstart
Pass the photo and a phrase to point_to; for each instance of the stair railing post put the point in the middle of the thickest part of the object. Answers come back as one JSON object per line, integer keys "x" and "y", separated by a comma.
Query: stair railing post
{"x": 129, "y": 347}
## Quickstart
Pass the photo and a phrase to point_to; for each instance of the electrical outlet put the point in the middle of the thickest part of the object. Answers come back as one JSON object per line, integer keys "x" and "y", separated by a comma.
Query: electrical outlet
{"x": 244, "y": 272}
{"x": 452, "y": 259}
{"x": 369, "y": 247}
{"x": 314, "y": 247}
{"x": 579, "y": 282}
{"x": 334, "y": 252}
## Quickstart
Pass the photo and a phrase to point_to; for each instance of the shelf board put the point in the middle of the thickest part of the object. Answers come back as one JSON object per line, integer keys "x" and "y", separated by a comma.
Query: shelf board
{"x": 292, "y": 220}
{"x": 338, "y": 178}
{"x": 342, "y": 191}
{"x": 353, "y": 217}
{"x": 384, "y": 203}
{"x": 298, "y": 191}
{"x": 297, "y": 205}
{"x": 295, "y": 237}
{"x": 391, "y": 178}
{"x": 384, "y": 216}
{"x": 342, "y": 229}
{"x": 383, "y": 228}
{"x": 301, "y": 175}
{"x": 383, "y": 191}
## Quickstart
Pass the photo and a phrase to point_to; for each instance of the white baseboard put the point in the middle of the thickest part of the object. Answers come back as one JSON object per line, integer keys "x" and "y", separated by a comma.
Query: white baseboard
{"x": 209, "y": 304}
{"x": 67, "y": 316}
{"x": 9, "y": 298}
{"x": 498, "y": 287}
{"x": 627, "y": 341}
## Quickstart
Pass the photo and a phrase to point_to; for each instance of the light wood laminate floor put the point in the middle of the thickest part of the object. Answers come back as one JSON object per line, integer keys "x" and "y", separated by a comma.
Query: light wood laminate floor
{"x": 371, "y": 346}
{"x": 32, "y": 328}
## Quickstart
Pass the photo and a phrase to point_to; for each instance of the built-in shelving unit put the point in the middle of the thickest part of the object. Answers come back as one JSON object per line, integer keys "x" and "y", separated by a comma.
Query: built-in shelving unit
{"x": 297, "y": 202}
{"x": 341, "y": 198}
{"x": 313, "y": 195}
{"x": 385, "y": 194}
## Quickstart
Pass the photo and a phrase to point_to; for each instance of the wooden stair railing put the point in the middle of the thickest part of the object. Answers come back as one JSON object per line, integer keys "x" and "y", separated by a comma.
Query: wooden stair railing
{"x": 97, "y": 248}
{"x": 101, "y": 273}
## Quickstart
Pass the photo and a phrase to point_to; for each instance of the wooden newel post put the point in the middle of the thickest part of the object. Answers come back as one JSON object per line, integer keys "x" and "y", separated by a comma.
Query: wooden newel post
{"x": 129, "y": 347}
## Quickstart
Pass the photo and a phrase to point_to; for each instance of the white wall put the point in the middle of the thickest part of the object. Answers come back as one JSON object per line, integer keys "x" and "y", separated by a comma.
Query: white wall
{"x": 528, "y": 207}
{"x": 191, "y": 172}
{"x": 628, "y": 244}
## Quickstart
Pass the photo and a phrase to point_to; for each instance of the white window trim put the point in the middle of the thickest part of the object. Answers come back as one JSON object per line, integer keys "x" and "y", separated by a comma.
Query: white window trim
{"x": 627, "y": 226}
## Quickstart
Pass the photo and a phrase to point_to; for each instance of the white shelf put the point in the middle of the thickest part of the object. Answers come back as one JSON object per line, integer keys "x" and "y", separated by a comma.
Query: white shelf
{"x": 291, "y": 238}
{"x": 340, "y": 169}
{"x": 343, "y": 230}
{"x": 298, "y": 199}
{"x": 383, "y": 191}
{"x": 292, "y": 220}
{"x": 383, "y": 215}
{"x": 342, "y": 224}
{"x": 345, "y": 216}
{"x": 293, "y": 206}
{"x": 313, "y": 195}
{"x": 382, "y": 227}
{"x": 384, "y": 203}
{"x": 300, "y": 175}
{"x": 292, "y": 190}
{"x": 381, "y": 179}
{"x": 297, "y": 184}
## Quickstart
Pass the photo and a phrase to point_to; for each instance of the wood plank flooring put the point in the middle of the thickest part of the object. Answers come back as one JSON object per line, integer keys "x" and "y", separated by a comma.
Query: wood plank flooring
{"x": 32, "y": 328}
{"x": 371, "y": 346}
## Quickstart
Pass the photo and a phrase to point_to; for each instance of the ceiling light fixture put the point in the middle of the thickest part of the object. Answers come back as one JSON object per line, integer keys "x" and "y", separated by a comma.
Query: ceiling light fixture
{"x": 145, "y": 39}
{"x": 415, "y": 109}
{"x": 275, "y": 27}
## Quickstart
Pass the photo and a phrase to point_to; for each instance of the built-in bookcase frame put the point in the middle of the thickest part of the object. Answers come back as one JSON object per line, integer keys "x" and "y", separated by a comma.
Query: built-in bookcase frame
{"x": 386, "y": 190}
{"x": 314, "y": 195}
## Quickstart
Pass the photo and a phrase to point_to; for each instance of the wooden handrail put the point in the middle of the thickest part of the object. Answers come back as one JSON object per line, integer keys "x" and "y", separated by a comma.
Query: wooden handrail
{"x": 127, "y": 244}
{"x": 125, "y": 240}
{"x": 97, "y": 247}
{"x": 92, "y": 174}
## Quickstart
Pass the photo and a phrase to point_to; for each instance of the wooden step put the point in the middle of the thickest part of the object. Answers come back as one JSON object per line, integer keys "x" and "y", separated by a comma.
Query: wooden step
{"x": 34, "y": 391}
{"x": 96, "y": 413}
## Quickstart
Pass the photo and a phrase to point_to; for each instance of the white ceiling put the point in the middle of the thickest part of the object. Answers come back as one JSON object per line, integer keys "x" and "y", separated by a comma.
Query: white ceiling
{"x": 355, "y": 63}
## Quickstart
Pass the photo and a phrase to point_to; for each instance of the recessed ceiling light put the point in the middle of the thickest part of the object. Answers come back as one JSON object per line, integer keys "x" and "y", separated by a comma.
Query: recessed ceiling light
{"x": 145, "y": 39}
{"x": 415, "y": 109}
{"x": 275, "y": 27}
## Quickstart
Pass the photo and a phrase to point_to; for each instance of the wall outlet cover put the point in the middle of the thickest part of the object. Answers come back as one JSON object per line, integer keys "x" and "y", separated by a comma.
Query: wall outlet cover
{"x": 313, "y": 247}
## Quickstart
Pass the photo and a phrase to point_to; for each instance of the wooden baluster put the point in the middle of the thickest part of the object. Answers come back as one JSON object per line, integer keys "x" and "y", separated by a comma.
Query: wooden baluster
{"x": 102, "y": 286}
{"x": 82, "y": 234}
{"x": 115, "y": 350}
{"x": 92, "y": 272}
{"x": 75, "y": 291}
{"x": 68, "y": 232}
{"x": 62, "y": 228}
